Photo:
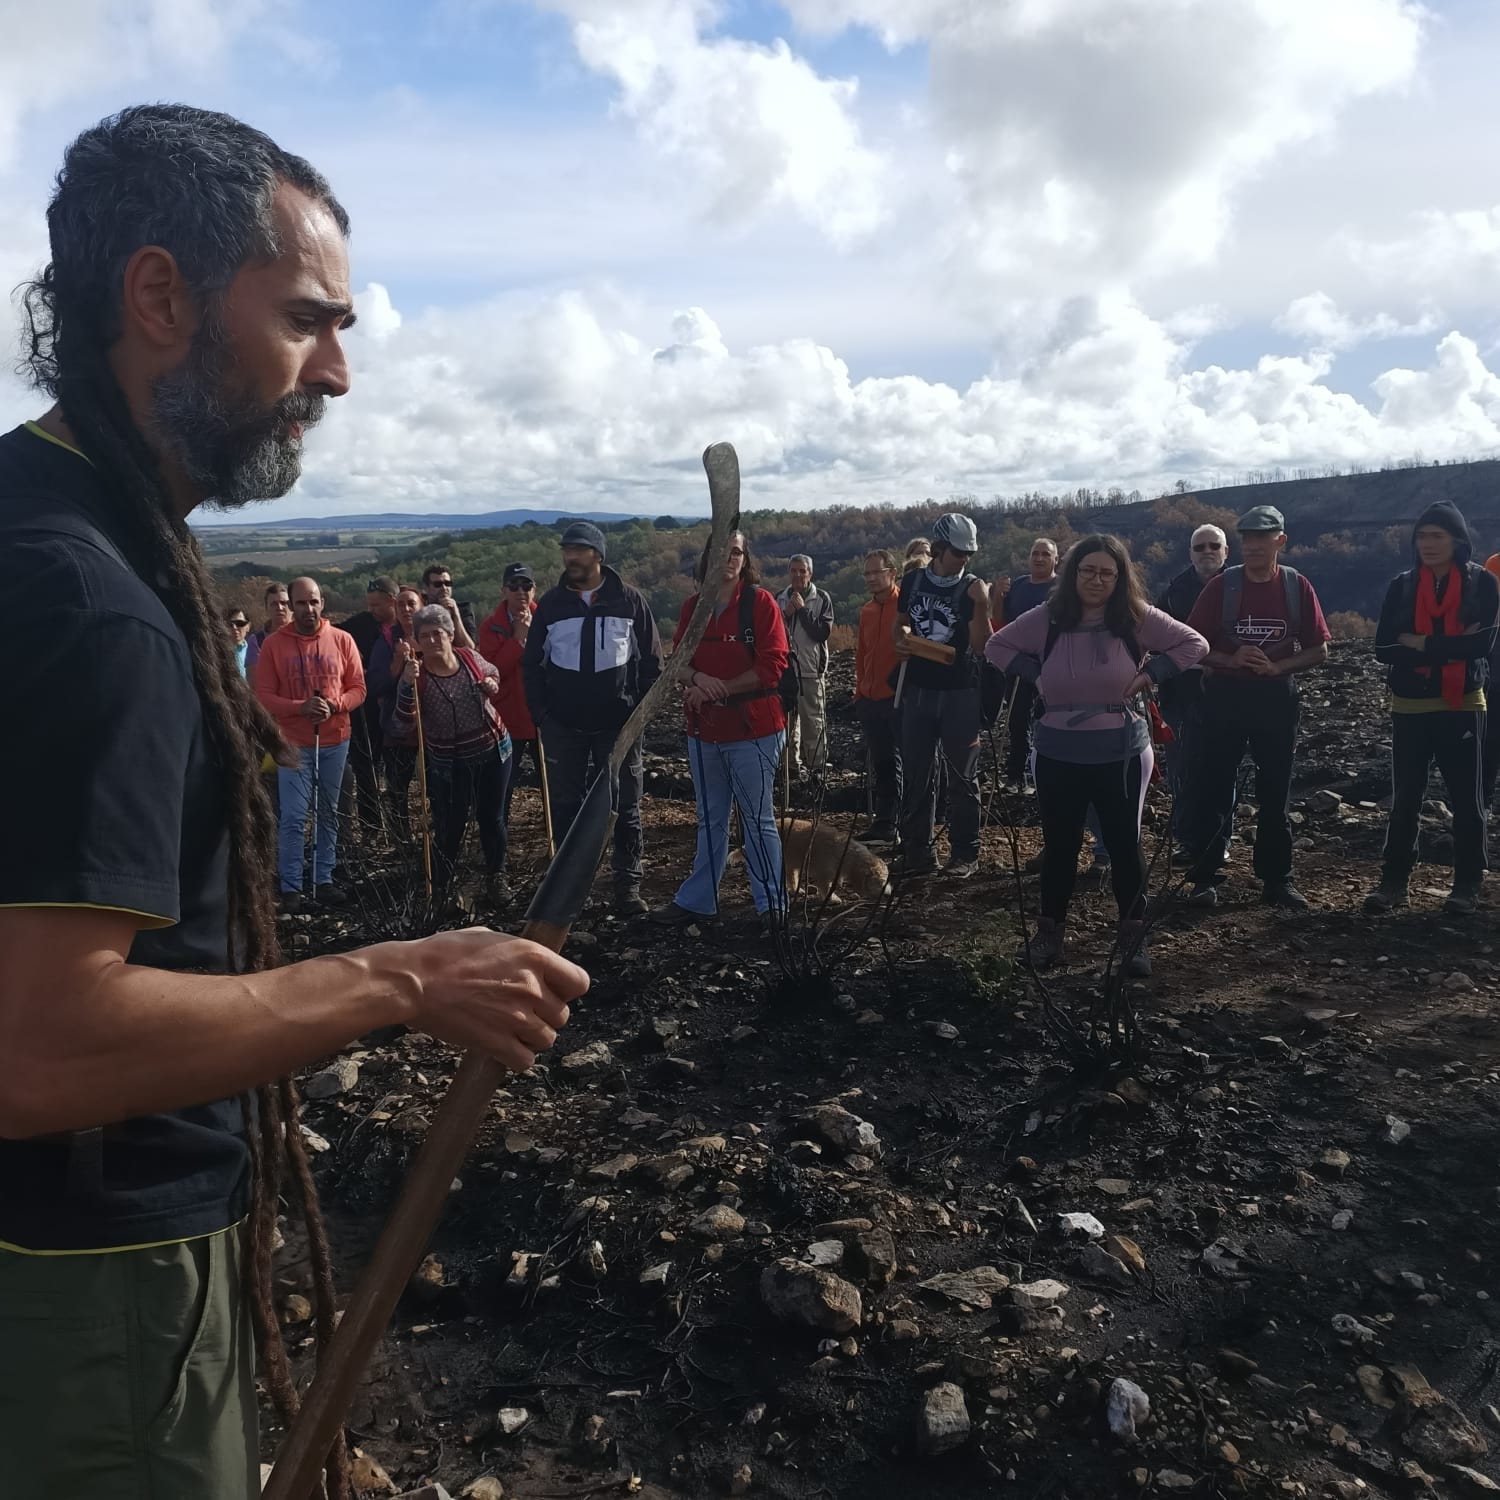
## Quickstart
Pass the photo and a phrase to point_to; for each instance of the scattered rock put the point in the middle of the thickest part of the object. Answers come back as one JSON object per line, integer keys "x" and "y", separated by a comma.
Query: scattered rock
{"x": 1018, "y": 1218}
{"x": 1174, "y": 1479}
{"x": 1333, "y": 1162}
{"x": 720, "y": 1222}
{"x": 296, "y": 1309}
{"x": 1459, "y": 982}
{"x": 1434, "y": 1428}
{"x": 666, "y": 1173}
{"x": 798, "y": 1293}
{"x": 1113, "y": 1187}
{"x": 741, "y": 1480}
{"x": 656, "y": 1276}
{"x": 511, "y": 1419}
{"x": 1079, "y": 1226}
{"x": 943, "y": 1422}
{"x": 1016, "y": 1321}
{"x": 1343, "y": 1218}
{"x": 1325, "y": 800}
{"x": 337, "y": 1078}
{"x": 613, "y": 1169}
{"x": 976, "y": 1287}
{"x": 432, "y": 1491}
{"x": 845, "y": 1132}
{"x": 871, "y": 1256}
{"x": 1236, "y": 1366}
{"x": 1396, "y": 1131}
{"x": 1127, "y": 1251}
{"x": 1351, "y": 1328}
{"x": 428, "y": 1280}
{"x": 588, "y": 1061}
{"x": 1095, "y": 1261}
{"x": 1471, "y": 1480}
{"x": 825, "y": 1253}
{"x": 904, "y": 1331}
{"x": 1126, "y": 1407}
{"x": 1271, "y": 1046}
{"x": 486, "y": 1487}
{"x": 1037, "y": 1294}
{"x": 1228, "y": 1452}
{"x": 1372, "y": 1385}
{"x": 944, "y": 1031}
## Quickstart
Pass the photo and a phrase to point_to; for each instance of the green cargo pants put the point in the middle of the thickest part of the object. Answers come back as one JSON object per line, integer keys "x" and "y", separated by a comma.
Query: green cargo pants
{"x": 128, "y": 1375}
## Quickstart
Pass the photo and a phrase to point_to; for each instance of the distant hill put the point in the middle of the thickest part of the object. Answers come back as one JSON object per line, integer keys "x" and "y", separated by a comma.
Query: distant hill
{"x": 413, "y": 520}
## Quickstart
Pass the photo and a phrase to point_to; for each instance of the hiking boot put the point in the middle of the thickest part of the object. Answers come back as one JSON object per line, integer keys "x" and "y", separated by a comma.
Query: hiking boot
{"x": 497, "y": 891}
{"x": 1204, "y": 895}
{"x": 1463, "y": 899}
{"x": 291, "y": 902}
{"x": 1284, "y": 894}
{"x": 880, "y": 833}
{"x": 1045, "y": 947}
{"x": 330, "y": 895}
{"x": 961, "y": 869}
{"x": 1135, "y": 957}
{"x": 629, "y": 902}
{"x": 1387, "y": 896}
{"x": 914, "y": 867}
{"x": 670, "y": 914}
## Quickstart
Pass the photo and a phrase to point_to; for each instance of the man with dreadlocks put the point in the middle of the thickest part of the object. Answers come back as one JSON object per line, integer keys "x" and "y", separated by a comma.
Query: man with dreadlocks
{"x": 187, "y": 328}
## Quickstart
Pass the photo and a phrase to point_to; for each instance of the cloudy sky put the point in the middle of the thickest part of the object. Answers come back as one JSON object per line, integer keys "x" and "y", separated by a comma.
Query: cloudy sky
{"x": 889, "y": 248}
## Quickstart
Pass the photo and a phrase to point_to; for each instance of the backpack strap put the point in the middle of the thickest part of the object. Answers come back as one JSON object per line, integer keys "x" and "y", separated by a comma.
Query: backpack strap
{"x": 1291, "y": 592}
{"x": 1234, "y": 588}
{"x": 1291, "y": 585}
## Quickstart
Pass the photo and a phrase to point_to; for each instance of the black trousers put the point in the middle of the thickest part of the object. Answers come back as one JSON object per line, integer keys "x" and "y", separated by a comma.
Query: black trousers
{"x": 1456, "y": 742}
{"x": 364, "y": 768}
{"x": 574, "y": 758}
{"x": 1260, "y": 716}
{"x": 1022, "y": 698}
{"x": 400, "y": 767}
{"x": 881, "y": 728}
{"x": 529, "y": 746}
{"x": 454, "y": 787}
{"x": 1065, "y": 791}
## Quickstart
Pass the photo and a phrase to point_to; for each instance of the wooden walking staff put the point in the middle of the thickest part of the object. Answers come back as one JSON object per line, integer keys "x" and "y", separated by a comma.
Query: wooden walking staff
{"x": 416, "y": 704}
{"x": 927, "y": 650}
{"x": 558, "y": 901}
{"x": 541, "y": 765}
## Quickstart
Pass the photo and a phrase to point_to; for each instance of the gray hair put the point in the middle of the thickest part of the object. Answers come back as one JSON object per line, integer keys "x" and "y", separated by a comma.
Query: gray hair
{"x": 1209, "y": 527}
{"x": 802, "y": 558}
{"x": 431, "y": 614}
{"x": 1045, "y": 541}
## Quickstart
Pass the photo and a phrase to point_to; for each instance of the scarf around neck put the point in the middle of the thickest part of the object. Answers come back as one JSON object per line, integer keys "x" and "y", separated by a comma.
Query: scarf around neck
{"x": 1431, "y": 610}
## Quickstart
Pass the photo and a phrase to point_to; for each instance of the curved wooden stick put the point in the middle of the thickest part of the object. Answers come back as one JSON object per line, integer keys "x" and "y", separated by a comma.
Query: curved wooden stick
{"x": 430, "y": 1178}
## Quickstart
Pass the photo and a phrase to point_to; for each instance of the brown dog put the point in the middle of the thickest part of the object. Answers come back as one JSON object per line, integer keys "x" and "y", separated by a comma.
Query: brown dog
{"x": 824, "y": 856}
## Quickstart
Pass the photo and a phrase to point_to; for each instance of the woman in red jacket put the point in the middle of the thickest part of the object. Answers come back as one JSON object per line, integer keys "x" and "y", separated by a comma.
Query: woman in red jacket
{"x": 502, "y": 641}
{"x": 736, "y": 729}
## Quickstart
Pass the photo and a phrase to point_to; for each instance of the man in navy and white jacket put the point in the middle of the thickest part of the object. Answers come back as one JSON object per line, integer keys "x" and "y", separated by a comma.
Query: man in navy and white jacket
{"x": 592, "y": 653}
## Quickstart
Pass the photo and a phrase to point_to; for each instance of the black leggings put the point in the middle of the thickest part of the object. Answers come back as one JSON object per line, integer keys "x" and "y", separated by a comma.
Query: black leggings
{"x": 1065, "y": 792}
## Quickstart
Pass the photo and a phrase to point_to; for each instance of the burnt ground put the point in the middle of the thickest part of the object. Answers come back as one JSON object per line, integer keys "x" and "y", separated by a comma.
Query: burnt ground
{"x": 1297, "y": 1173}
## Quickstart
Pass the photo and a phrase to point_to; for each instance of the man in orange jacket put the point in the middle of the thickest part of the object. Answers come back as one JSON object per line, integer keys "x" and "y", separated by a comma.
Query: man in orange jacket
{"x": 874, "y": 694}
{"x": 309, "y": 676}
{"x": 502, "y": 641}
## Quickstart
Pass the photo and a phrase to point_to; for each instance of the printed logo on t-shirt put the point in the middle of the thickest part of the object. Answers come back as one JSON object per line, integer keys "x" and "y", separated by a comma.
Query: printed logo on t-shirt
{"x": 1256, "y": 630}
{"x": 934, "y": 616}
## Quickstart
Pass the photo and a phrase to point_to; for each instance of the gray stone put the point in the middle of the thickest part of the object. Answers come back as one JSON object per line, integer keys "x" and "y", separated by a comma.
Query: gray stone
{"x": 1126, "y": 1408}
{"x": 1097, "y": 1262}
{"x": 656, "y": 1276}
{"x": 943, "y": 1421}
{"x": 720, "y": 1222}
{"x": 1396, "y": 1130}
{"x": 1018, "y": 1218}
{"x": 1037, "y": 1294}
{"x": 825, "y": 1253}
{"x": 976, "y": 1287}
{"x": 1079, "y": 1226}
{"x": 486, "y": 1487}
{"x": 1333, "y": 1162}
{"x": 845, "y": 1132}
{"x": 613, "y": 1169}
{"x": 588, "y": 1061}
{"x": 871, "y": 1255}
{"x": 1022, "y": 1320}
{"x": 798, "y": 1293}
{"x": 511, "y": 1419}
{"x": 1471, "y": 1480}
{"x": 337, "y": 1078}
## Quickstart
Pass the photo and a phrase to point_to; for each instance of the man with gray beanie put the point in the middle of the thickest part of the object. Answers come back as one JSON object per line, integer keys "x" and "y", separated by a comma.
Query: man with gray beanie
{"x": 945, "y": 606}
{"x": 592, "y": 653}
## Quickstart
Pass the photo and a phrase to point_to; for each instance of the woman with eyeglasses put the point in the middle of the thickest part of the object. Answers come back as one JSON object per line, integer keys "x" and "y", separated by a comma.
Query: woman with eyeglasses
{"x": 736, "y": 728}
{"x": 502, "y": 642}
{"x": 239, "y": 630}
{"x": 1086, "y": 651}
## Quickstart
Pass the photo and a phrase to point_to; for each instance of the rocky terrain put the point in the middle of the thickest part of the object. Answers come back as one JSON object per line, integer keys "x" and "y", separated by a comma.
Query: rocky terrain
{"x": 844, "y": 1219}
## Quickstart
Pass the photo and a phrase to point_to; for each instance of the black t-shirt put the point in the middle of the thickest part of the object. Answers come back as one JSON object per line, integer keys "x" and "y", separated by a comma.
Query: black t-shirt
{"x": 940, "y": 611}
{"x": 114, "y": 800}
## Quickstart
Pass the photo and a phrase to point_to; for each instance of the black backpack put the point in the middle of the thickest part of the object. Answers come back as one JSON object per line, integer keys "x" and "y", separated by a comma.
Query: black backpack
{"x": 789, "y": 689}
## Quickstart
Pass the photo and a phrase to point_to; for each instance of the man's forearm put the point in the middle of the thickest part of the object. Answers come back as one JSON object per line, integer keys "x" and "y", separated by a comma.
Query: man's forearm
{"x": 1303, "y": 661}
{"x": 155, "y": 1040}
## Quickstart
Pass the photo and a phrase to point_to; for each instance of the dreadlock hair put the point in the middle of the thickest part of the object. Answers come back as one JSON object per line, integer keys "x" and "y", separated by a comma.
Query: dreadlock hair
{"x": 200, "y": 185}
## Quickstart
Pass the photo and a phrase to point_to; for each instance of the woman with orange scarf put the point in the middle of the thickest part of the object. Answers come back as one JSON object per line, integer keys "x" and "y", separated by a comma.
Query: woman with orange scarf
{"x": 1437, "y": 630}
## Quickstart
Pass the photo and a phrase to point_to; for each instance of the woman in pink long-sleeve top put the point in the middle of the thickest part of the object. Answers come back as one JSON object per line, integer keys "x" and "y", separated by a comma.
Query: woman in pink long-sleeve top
{"x": 1084, "y": 650}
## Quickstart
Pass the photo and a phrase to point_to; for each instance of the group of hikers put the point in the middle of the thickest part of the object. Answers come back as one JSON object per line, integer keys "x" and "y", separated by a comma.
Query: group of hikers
{"x": 1096, "y": 691}
{"x": 187, "y": 334}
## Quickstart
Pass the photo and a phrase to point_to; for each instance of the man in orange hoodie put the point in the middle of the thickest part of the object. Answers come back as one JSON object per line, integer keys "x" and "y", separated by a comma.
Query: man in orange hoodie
{"x": 309, "y": 676}
{"x": 874, "y": 694}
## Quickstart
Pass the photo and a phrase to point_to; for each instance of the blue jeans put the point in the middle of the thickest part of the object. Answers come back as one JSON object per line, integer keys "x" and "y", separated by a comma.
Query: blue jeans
{"x": 744, "y": 770}
{"x": 295, "y": 791}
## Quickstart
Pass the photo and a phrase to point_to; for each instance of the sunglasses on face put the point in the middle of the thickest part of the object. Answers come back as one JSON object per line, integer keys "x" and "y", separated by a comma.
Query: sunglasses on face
{"x": 1208, "y": 546}
{"x": 520, "y": 588}
{"x": 239, "y": 624}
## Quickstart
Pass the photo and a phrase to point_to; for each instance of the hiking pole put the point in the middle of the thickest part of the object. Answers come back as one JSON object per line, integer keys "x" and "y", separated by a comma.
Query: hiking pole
{"x": 317, "y": 788}
{"x": 541, "y": 765}
{"x": 416, "y": 704}
{"x": 558, "y": 901}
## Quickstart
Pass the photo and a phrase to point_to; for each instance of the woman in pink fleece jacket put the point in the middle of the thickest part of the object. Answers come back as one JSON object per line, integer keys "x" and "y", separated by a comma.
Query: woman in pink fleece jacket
{"x": 1084, "y": 650}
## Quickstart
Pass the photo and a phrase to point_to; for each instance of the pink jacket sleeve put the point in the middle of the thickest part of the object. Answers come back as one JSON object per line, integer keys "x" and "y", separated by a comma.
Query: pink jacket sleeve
{"x": 1176, "y": 646}
{"x": 1025, "y": 636}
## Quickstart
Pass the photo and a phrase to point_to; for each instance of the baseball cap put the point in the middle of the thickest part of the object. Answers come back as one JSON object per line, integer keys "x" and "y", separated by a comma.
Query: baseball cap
{"x": 516, "y": 572}
{"x": 1261, "y": 518}
{"x": 958, "y": 532}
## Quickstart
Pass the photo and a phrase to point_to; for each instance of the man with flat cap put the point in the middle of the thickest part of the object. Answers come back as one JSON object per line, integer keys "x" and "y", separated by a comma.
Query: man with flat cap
{"x": 1264, "y": 625}
{"x": 592, "y": 652}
